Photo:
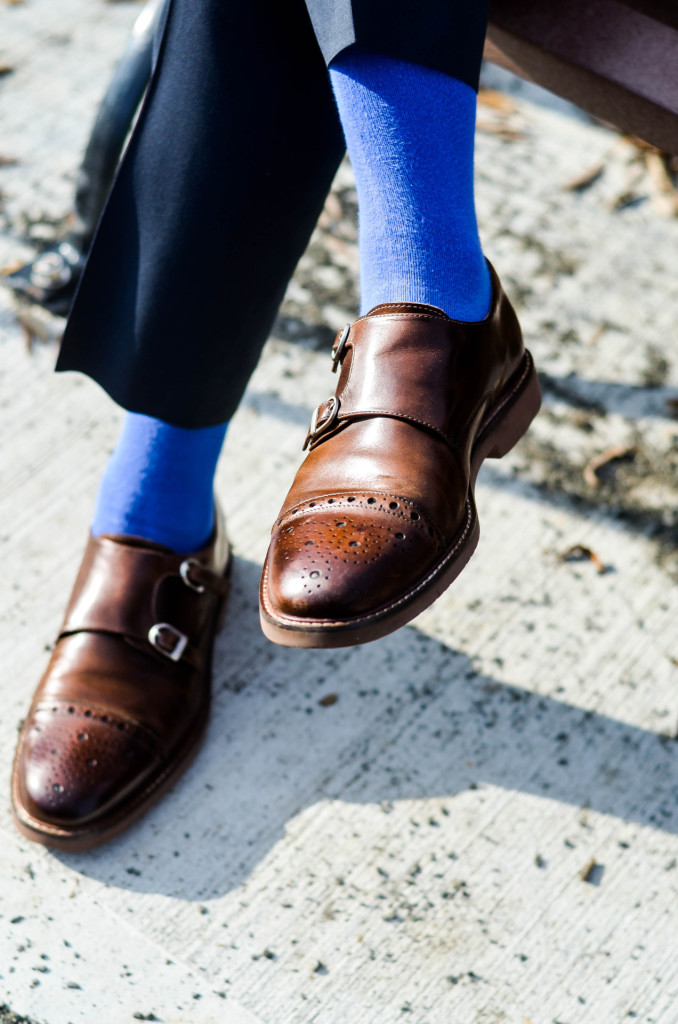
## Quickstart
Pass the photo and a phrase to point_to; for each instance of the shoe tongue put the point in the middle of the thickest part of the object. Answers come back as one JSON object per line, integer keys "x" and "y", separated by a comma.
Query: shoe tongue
{"x": 388, "y": 308}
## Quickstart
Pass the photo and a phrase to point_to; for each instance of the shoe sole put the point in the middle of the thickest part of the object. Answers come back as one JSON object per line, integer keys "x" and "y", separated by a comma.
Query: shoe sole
{"x": 503, "y": 426}
{"x": 100, "y": 831}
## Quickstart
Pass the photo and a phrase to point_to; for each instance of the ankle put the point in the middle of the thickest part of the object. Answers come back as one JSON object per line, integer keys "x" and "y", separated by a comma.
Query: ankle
{"x": 159, "y": 483}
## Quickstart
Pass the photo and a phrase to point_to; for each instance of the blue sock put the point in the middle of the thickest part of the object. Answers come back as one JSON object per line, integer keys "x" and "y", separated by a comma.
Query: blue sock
{"x": 158, "y": 484}
{"x": 410, "y": 134}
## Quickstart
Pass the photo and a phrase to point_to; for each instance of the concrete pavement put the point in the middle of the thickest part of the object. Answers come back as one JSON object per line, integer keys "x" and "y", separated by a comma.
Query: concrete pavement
{"x": 482, "y": 828}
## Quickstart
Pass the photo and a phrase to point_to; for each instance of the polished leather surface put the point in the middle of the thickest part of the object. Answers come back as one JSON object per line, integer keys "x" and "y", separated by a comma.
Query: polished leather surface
{"x": 383, "y": 491}
{"x": 113, "y": 713}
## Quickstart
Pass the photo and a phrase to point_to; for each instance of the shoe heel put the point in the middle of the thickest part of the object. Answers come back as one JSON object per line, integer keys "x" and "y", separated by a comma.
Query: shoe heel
{"x": 517, "y": 418}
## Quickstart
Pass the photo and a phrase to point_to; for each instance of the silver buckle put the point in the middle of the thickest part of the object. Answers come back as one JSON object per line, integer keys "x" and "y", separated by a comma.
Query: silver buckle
{"x": 185, "y": 573}
{"x": 338, "y": 349}
{"x": 316, "y": 430}
{"x": 155, "y": 635}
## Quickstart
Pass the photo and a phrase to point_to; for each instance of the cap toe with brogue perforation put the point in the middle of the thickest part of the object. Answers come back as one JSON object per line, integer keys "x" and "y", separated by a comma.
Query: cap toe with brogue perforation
{"x": 78, "y": 763}
{"x": 381, "y": 516}
{"x": 329, "y": 545}
{"x": 123, "y": 704}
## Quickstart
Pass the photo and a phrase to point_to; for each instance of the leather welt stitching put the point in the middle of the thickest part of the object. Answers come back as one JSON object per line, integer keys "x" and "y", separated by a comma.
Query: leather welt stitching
{"x": 439, "y": 567}
{"x": 404, "y": 316}
{"x": 509, "y": 396}
{"x": 393, "y": 414}
{"x": 410, "y": 307}
{"x": 405, "y": 417}
{"x": 319, "y": 498}
{"x": 426, "y": 520}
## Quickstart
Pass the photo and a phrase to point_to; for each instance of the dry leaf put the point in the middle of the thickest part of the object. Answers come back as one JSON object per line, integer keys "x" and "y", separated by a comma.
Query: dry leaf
{"x": 672, "y": 406}
{"x": 11, "y": 268}
{"x": 597, "y": 334}
{"x": 623, "y": 199}
{"x": 6, "y": 69}
{"x": 638, "y": 143}
{"x": 496, "y": 100}
{"x": 665, "y": 196}
{"x": 38, "y": 325}
{"x": 583, "y": 181}
{"x": 8, "y": 161}
{"x": 587, "y": 871}
{"x": 578, "y": 552}
{"x": 657, "y": 165}
{"x": 598, "y": 461}
{"x": 29, "y": 338}
{"x": 328, "y": 700}
{"x": 501, "y": 130}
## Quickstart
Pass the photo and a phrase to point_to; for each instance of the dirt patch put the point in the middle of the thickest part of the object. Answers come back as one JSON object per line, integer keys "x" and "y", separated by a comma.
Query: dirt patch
{"x": 639, "y": 489}
{"x": 7, "y": 1016}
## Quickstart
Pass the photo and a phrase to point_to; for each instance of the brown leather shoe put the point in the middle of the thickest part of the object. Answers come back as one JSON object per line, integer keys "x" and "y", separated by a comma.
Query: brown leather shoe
{"x": 381, "y": 516}
{"x": 123, "y": 704}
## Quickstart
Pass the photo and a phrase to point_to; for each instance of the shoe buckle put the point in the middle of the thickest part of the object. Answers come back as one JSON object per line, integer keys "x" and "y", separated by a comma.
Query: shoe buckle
{"x": 185, "y": 573}
{"x": 158, "y": 636}
{"x": 339, "y": 346}
{"x": 330, "y": 412}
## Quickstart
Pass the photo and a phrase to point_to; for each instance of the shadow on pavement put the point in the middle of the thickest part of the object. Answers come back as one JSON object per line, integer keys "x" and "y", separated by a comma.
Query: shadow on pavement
{"x": 413, "y": 720}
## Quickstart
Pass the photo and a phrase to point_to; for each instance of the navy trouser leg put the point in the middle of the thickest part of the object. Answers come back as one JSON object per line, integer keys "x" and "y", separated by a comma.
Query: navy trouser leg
{"x": 214, "y": 203}
{"x": 444, "y": 35}
{"x": 221, "y": 186}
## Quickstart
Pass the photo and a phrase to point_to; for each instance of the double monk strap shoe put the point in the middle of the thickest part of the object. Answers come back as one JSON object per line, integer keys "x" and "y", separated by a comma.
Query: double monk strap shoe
{"x": 124, "y": 702}
{"x": 381, "y": 516}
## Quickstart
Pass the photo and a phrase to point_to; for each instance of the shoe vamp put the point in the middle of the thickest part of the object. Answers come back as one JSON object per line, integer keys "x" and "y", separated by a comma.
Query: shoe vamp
{"x": 393, "y": 457}
{"x": 104, "y": 672}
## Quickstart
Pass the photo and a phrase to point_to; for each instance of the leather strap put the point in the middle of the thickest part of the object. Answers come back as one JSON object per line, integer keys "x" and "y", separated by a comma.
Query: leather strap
{"x": 411, "y": 362}
{"x": 394, "y": 365}
{"x": 131, "y": 604}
